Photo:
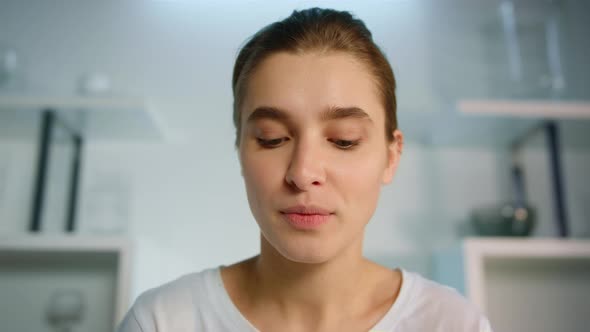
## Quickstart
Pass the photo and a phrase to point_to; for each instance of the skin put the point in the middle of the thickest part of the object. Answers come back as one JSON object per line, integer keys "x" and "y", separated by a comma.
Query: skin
{"x": 312, "y": 134}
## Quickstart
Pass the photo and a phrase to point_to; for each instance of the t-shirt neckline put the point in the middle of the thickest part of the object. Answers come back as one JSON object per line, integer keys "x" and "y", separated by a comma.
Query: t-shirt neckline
{"x": 226, "y": 307}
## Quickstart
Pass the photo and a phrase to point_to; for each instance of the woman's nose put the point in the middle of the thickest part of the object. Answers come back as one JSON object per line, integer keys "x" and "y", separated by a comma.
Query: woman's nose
{"x": 306, "y": 167}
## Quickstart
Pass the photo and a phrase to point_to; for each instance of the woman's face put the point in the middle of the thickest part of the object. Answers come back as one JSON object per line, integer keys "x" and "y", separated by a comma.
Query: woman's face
{"x": 313, "y": 152}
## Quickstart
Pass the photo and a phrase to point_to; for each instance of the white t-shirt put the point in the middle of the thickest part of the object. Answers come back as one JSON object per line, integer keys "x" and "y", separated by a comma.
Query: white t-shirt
{"x": 199, "y": 302}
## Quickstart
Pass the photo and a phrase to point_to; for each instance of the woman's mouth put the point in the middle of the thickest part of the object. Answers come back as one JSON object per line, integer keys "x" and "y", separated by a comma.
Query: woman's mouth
{"x": 306, "y": 217}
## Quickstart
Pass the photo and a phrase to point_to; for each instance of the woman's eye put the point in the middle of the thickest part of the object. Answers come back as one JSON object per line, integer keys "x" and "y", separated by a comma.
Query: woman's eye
{"x": 344, "y": 144}
{"x": 271, "y": 143}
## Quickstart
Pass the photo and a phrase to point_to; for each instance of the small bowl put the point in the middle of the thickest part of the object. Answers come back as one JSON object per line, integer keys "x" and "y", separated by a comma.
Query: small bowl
{"x": 507, "y": 219}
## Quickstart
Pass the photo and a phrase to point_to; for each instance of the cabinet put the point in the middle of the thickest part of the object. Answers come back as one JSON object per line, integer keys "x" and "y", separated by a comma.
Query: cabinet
{"x": 525, "y": 285}
{"x": 34, "y": 268}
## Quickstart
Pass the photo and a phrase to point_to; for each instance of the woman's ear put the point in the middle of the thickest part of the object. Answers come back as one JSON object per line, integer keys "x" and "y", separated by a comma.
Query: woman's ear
{"x": 240, "y": 162}
{"x": 394, "y": 152}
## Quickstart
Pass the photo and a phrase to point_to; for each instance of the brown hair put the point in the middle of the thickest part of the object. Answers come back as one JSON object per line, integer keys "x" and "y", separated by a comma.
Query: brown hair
{"x": 322, "y": 30}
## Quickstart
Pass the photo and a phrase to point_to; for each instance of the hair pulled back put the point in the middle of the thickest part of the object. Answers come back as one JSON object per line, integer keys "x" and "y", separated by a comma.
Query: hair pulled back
{"x": 317, "y": 30}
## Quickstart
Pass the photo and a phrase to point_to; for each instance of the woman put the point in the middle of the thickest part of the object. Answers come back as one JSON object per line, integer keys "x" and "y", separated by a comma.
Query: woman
{"x": 317, "y": 137}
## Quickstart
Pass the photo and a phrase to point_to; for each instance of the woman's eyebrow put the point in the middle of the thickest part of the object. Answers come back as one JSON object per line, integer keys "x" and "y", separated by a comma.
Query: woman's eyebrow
{"x": 267, "y": 112}
{"x": 332, "y": 113}
{"x": 336, "y": 112}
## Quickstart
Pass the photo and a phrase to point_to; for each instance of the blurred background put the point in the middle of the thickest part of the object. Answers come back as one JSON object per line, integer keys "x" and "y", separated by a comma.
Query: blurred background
{"x": 118, "y": 170}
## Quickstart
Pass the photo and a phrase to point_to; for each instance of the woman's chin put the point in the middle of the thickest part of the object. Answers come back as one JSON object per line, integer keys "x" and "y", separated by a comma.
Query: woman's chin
{"x": 306, "y": 252}
{"x": 306, "y": 258}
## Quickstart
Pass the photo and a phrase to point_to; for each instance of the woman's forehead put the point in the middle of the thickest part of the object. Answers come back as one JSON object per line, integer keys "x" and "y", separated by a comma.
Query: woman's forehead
{"x": 311, "y": 83}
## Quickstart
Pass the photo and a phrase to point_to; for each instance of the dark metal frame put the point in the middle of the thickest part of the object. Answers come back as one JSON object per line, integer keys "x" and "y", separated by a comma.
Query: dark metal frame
{"x": 551, "y": 130}
{"x": 49, "y": 119}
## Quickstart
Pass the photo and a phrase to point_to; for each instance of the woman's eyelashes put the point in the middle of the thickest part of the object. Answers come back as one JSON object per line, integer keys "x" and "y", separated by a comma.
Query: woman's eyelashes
{"x": 345, "y": 144}
{"x": 342, "y": 144}
{"x": 271, "y": 143}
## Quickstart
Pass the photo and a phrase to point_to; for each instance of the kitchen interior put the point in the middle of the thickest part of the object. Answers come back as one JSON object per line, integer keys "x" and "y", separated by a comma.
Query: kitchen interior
{"x": 118, "y": 170}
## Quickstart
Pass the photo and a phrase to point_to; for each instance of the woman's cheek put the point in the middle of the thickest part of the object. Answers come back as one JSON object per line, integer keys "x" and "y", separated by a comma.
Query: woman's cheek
{"x": 262, "y": 169}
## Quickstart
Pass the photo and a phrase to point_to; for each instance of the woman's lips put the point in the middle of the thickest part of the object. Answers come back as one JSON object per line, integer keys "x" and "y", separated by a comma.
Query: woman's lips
{"x": 306, "y": 217}
{"x": 306, "y": 221}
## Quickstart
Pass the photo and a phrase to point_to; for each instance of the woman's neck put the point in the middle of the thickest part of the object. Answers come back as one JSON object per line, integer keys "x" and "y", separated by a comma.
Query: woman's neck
{"x": 346, "y": 293}
{"x": 312, "y": 296}
{"x": 314, "y": 286}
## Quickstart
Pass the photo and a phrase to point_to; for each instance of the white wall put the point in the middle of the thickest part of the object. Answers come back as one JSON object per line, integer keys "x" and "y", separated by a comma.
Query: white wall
{"x": 183, "y": 202}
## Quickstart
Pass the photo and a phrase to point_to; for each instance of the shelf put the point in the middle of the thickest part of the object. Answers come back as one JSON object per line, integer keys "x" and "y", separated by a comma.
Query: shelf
{"x": 99, "y": 118}
{"x": 63, "y": 243}
{"x": 509, "y": 247}
{"x": 33, "y": 267}
{"x": 526, "y": 108}
{"x": 522, "y": 284}
{"x": 496, "y": 123}
{"x": 479, "y": 251}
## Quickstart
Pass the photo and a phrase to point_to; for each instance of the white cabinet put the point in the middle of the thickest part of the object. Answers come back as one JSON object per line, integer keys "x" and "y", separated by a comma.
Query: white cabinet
{"x": 524, "y": 285}
{"x": 34, "y": 267}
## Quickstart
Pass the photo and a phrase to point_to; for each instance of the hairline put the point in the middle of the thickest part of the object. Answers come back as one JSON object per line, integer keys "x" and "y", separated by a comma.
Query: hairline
{"x": 242, "y": 87}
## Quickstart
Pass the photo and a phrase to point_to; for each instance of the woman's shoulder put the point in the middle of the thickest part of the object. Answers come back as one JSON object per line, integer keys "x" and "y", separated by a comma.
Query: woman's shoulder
{"x": 427, "y": 290}
{"x": 179, "y": 292}
{"x": 175, "y": 301}
{"x": 428, "y": 301}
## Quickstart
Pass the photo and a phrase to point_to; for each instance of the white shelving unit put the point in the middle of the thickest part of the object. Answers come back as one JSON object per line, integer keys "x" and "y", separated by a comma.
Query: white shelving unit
{"x": 95, "y": 117}
{"x": 64, "y": 126}
{"x": 522, "y": 284}
{"x": 33, "y": 266}
{"x": 548, "y": 109}
{"x": 496, "y": 123}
